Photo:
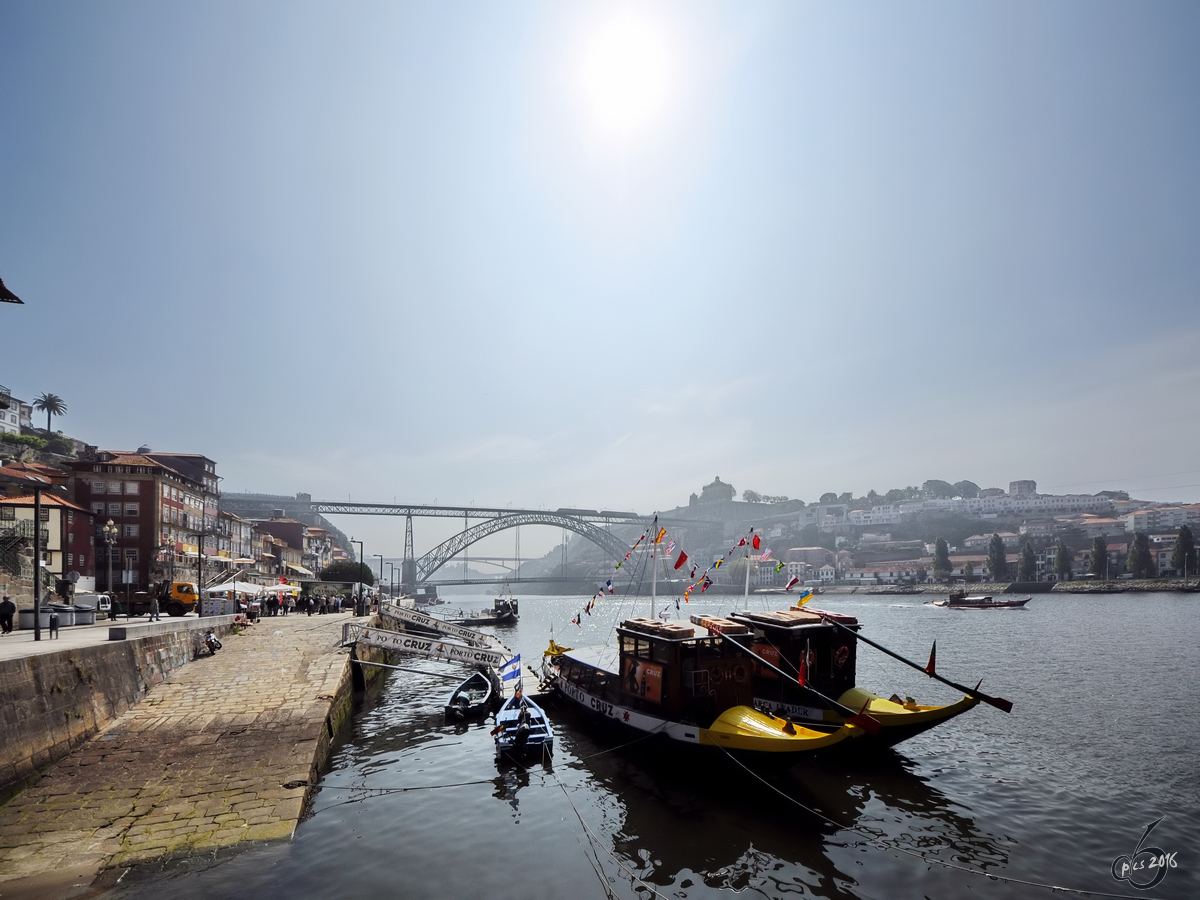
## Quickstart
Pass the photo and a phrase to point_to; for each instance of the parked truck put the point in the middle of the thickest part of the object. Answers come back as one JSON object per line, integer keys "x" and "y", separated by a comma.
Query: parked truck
{"x": 175, "y": 598}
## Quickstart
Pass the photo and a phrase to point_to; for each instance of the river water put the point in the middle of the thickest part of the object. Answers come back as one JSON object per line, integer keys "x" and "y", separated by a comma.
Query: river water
{"x": 1102, "y": 741}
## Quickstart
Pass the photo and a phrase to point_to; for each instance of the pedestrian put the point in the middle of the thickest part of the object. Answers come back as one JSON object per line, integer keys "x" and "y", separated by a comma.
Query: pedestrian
{"x": 7, "y": 608}
{"x": 154, "y": 614}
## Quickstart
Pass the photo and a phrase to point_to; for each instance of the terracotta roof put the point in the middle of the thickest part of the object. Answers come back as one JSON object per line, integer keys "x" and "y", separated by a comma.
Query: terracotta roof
{"x": 47, "y": 500}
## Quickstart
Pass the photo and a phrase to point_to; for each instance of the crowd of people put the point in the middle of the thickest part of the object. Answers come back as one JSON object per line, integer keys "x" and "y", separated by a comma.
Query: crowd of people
{"x": 287, "y": 604}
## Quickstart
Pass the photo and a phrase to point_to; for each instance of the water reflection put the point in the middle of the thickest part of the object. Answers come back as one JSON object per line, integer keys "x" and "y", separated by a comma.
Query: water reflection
{"x": 694, "y": 817}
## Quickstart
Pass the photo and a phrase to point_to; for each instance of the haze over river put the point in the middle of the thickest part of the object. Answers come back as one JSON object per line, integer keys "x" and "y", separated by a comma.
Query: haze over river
{"x": 1102, "y": 741}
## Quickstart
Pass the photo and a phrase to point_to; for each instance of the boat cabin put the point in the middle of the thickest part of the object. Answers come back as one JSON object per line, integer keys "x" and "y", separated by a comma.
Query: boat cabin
{"x": 808, "y": 648}
{"x": 686, "y": 673}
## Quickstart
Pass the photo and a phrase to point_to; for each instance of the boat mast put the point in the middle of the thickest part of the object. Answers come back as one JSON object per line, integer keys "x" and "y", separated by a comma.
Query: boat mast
{"x": 654, "y": 577}
{"x": 746, "y": 590}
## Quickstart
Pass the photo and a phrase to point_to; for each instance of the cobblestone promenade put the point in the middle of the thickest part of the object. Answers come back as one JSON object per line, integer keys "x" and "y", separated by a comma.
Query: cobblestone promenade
{"x": 200, "y": 763}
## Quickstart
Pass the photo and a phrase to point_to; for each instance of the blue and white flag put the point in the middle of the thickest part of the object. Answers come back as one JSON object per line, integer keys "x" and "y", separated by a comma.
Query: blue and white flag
{"x": 511, "y": 669}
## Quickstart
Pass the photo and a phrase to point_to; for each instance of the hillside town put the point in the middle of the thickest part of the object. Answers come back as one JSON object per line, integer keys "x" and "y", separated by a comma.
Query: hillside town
{"x": 130, "y": 522}
{"x": 135, "y": 521}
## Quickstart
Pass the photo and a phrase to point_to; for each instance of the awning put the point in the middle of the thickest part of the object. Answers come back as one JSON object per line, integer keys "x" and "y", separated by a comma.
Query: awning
{"x": 300, "y": 570}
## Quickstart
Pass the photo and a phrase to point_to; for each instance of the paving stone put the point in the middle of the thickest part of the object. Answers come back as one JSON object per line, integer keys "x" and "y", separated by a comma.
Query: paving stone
{"x": 200, "y": 762}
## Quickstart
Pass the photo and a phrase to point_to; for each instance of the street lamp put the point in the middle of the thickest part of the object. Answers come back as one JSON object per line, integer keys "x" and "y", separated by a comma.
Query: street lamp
{"x": 358, "y": 601}
{"x": 109, "y": 531}
{"x": 380, "y": 555}
{"x": 392, "y": 579}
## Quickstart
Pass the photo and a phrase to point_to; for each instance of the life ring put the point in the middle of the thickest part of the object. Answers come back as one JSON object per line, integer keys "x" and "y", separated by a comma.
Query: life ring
{"x": 842, "y": 654}
{"x": 717, "y": 675}
{"x": 739, "y": 673}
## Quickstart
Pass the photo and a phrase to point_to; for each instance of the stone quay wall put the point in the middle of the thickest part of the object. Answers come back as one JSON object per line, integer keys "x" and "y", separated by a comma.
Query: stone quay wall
{"x": 52, "y": 703}
{"x": 226, "y": 749}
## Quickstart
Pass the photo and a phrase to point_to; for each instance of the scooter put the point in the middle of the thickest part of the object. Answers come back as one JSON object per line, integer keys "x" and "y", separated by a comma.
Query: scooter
{"x": 210, "y": 641}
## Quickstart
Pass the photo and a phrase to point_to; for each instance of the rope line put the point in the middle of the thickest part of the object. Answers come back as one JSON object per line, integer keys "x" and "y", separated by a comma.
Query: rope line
{"x": 930, "y": 859}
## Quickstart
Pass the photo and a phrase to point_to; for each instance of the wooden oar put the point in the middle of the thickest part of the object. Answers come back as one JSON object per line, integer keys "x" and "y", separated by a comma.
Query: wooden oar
{"x": 999, "y": 702}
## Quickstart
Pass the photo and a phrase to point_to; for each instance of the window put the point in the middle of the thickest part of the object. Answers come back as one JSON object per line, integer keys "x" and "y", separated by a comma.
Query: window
{"x": 81, "y": 560}
{"x": 70, "y": 537}
{"x": 114, "y": 487}
{"x": 97, "y": 509}
{"x": 8, "y": 513}
{"x": 131, "y": 555}
{"x": 132, "y": 509}
{"x": 133, "y": 487}
{"x": 70, "y": 517}
{"x": 131, "y": 531}
{"x": 114, "y": 509}
{"x": 166, "y": 491}
{"x": 44, "y": 515}
{"x": 97, "y": 487}
{"x": 71, "y": 558}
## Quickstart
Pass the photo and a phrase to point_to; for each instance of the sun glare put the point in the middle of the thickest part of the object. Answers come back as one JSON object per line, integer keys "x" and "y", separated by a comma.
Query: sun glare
{"x": 625, "y": 73}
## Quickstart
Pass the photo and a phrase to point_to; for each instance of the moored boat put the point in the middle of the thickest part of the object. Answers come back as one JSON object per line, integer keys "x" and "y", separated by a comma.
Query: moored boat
{"x": 687, "y": 683}
{"x": 503, "y": 612}
{"x": 473, "y": 698}
{"x": 522, "y": 730}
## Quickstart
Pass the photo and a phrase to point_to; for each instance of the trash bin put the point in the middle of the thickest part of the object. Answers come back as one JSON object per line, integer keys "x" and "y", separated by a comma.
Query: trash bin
{"x": 85, "y": 615}
{"x": 25, "y": 618}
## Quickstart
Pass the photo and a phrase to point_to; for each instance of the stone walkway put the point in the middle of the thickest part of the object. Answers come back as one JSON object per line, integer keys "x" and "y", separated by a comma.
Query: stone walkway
{"x": 200, "y": 763}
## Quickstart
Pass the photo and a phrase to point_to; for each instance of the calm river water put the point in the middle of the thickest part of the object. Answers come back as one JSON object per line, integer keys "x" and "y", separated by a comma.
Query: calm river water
{"x": 1102, "y": 741}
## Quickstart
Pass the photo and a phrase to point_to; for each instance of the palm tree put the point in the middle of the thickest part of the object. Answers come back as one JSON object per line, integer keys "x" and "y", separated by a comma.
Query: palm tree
{"x": 51, "y": 405}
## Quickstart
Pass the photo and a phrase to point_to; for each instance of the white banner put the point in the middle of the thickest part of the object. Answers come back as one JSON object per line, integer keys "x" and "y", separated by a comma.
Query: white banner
{"x": 475, "y": 638}
{"x": 431, "y": 647}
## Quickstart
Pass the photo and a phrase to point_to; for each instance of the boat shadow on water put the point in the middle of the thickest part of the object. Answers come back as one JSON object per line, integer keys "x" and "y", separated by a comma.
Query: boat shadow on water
{"x": 736, "y": 825}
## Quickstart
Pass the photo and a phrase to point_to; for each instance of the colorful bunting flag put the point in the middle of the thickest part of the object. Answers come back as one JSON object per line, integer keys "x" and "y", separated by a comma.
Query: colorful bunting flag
{"x": 792, "y": 582}
{"x": 683, "y": 558}
{"x": 707, "y": 584}
{"x": 662, "y": 533}
{"x": 766, "y": 555}
{"x": 779, "y": 565}
{"x": 757, "y": 542}
{"x": 608, "y": 584}
{"x": 671, "y": 545}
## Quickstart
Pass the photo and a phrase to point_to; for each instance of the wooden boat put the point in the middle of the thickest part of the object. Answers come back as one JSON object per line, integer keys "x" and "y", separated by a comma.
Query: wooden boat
{"x": 689, "y": 684}
{"x": 775, "y": 682}
{"x": 471, "y": 698}
{"x": 522, "y": 730}
{"x": 960, "y": 600}
{"x": 503, "y": 612}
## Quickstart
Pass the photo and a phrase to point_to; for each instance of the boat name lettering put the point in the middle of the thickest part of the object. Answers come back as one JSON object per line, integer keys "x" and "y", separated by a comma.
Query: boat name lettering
{"x": 602, "y": 706}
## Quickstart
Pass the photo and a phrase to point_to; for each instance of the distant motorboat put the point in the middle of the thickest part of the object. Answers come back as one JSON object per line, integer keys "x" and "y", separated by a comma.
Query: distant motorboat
{"x": 962, "y": 600}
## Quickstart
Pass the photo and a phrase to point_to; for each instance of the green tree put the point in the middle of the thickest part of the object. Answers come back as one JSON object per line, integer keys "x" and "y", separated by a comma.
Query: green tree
{"x": 997, "y": 562}
{"x": 829, "y": 497}
{"x": 942, "y": 567}
{"x": 1062, "y": 561}
{"x": 966, "y": 489}
{"x": 1183, "y": 554}
{"x": 1027, "y": 568}
{"x": 968, "y": 571}
{"x": 347, "y": 571}
{"x": 1098, "y": 558}
{"x": 937, "y": 490}
{"x": 752, "y": 497}
{"x": 51, "y": 405}
{"x": 873, "y": 497}
{"x": 1140, "y": 562}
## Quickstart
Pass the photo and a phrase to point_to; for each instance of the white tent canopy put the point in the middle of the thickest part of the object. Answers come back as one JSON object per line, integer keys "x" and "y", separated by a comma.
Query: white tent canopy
{"x": 237, "y": 587}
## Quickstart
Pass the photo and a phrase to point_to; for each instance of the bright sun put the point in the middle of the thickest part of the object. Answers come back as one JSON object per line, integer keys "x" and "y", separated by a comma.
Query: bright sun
{"x": 625, "y": 73}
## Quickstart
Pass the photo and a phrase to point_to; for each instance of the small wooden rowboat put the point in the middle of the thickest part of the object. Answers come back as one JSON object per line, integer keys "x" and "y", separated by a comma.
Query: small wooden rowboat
{"x": 522, "y": 729}
{"x": 470, "y": 699}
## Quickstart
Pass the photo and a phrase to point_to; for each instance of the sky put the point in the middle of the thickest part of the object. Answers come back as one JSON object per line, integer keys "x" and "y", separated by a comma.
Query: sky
{"x": 594, "y": 254}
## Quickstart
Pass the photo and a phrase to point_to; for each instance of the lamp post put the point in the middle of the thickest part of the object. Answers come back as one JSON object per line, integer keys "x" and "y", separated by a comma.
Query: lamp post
{"x": 109, "y": 531}
{"x": 380, "y": 555}
{"x": 358, "y": 601}
{"x": 391, "y": 580}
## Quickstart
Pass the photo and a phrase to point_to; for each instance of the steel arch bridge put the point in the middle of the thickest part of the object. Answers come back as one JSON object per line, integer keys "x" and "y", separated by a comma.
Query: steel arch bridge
{"x": 444, "y": 552}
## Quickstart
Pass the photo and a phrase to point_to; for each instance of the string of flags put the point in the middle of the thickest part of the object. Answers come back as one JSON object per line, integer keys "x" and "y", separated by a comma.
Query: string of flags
{"x": 656, "y": 534}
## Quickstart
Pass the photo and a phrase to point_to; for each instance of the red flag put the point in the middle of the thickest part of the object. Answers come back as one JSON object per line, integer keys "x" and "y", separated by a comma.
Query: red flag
{"x": 932, "y": 667}
{"x": 742, "y": 542}
{"x": 757, "y": 542}
{"x": 707, "y": 584}
{"x": 693, "y": 575}
{"x": 865, "y": 721}
{"x": 682, "y": 559}
{"x": 795, "y": 579}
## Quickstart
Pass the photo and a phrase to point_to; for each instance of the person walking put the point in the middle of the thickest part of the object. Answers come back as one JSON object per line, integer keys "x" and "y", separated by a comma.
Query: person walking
{"x": 154, "y": 613}
{"x": 7, "y": 609}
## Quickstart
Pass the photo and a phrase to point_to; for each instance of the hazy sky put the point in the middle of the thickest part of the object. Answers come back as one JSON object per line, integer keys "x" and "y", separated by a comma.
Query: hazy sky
{"x": 595, "y": 254}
